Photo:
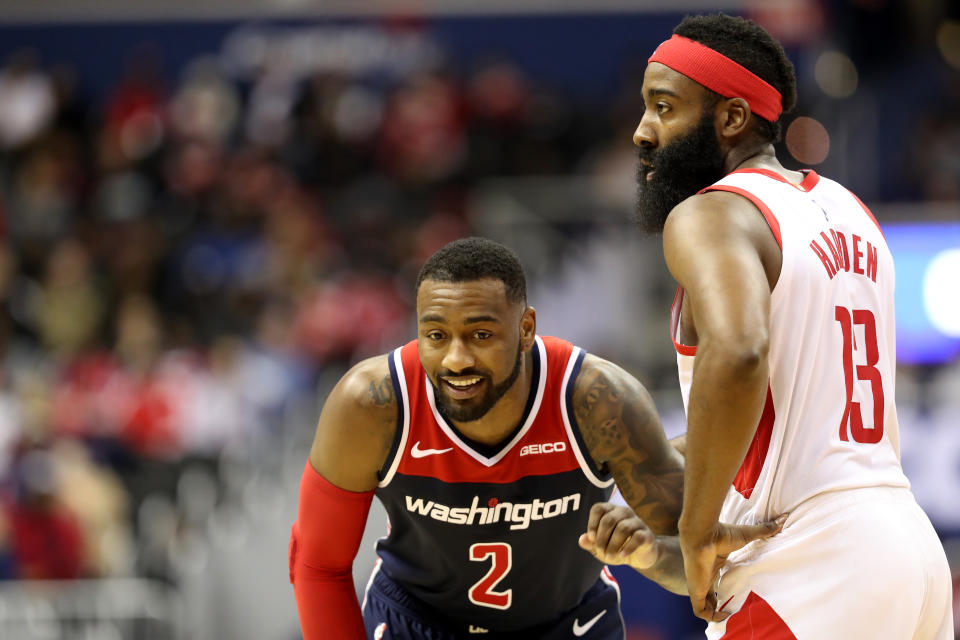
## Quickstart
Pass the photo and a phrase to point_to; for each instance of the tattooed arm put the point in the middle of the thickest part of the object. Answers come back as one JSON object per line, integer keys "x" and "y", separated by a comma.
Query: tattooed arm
{"x": 621, "y": 428}
{"x": 353, "y": 438}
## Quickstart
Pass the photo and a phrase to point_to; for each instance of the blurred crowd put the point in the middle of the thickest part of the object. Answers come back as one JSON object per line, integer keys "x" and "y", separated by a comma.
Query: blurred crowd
{"x": 179, "y": 263}
{"x": 182, "y": 261}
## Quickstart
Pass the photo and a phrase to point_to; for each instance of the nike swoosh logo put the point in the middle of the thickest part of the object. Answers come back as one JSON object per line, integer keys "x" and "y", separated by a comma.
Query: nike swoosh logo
{"x": 581, "y": 629}
{"x": 417, "y": 452}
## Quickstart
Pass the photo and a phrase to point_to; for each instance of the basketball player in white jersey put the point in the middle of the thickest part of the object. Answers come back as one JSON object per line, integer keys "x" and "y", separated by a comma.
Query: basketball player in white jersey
{"x": 784, "y": 327}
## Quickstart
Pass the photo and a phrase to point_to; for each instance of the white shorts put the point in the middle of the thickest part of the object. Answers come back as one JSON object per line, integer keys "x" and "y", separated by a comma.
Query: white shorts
{"x": 856, "y": 564}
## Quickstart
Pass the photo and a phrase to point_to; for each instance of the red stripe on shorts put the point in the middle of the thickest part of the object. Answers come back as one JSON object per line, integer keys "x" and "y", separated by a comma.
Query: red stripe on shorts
{"x": 757, "y": 619}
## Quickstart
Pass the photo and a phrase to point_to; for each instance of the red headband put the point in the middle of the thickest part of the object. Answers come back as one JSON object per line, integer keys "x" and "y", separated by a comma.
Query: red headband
{"x": 719, "y": 73}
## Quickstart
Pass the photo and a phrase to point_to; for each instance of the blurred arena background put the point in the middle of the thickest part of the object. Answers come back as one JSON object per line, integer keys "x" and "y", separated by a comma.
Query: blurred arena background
{"x": 209, "y": 209}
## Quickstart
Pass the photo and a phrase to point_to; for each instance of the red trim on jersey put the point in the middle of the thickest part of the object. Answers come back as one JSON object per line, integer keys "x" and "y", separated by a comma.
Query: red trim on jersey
{"x": 726, "y": 602}
{"x": 810, "y": 178}
{"x": 764, "y": 209}
{"x": 868, "y": 212}
{"x": 450, "y": 459}
{"x": 682, "y": 349}
{"x": 757, "y": 619}
{"x": 752, "y": 465}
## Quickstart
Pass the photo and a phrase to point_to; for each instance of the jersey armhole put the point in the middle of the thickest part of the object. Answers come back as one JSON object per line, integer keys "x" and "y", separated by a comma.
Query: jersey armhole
{"x": 682, "y": 349}
{"x": 395, "y": 362}
{"x": 590, "y": 469}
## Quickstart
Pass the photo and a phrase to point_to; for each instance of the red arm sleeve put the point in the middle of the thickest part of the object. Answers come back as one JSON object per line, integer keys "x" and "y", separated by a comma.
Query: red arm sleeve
{"x": 323, "y": 544}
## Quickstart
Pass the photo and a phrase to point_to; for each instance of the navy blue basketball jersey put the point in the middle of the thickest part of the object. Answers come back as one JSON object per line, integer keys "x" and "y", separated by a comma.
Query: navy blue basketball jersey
{"x": 488, "y": 535}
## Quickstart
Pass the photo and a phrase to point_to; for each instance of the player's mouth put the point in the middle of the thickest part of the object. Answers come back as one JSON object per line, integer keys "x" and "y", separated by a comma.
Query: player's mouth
{"x": 462, "y": 387}
{"x": 648, "y": 170}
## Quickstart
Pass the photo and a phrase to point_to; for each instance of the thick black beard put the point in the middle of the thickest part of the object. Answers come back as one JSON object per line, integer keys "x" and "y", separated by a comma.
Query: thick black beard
{"x": 468, "y": 413}
{"x": 684, "y": 167}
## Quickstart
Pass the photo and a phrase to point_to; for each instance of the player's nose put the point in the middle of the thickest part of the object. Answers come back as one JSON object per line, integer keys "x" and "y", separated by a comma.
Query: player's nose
{"x": 644, "y": 136}
{"x": 458, "y": 356}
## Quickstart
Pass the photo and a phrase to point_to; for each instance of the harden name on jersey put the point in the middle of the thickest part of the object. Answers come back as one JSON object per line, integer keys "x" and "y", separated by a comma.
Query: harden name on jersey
{"x": 844, "y": 255}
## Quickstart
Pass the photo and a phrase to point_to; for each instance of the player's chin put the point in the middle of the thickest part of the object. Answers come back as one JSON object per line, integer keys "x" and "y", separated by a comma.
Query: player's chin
{"x": 464, "y": 410}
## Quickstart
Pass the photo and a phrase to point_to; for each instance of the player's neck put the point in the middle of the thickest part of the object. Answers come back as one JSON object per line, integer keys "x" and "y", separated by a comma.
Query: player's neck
{"x": 752, "y": 154}
{"x": 505, "y": 415}
{"x": 759, "y": 156}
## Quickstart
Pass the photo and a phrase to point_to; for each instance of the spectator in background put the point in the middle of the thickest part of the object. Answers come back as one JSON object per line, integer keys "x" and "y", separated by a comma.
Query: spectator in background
{"x": 40, "y": 200}
{"x": 270, "y": 104}
{"x": 70, "y": 305}
{"x": 45, "y": 537}
{"x": 134, "y": 124}
{"x": 148, "y": 417}
{"x": 334, "y": 126}
{"x": 27, "y": 100}
{"x": 98, "y": 500}
{"x": 423, "y": 131}
{"x": 206, "y": 105}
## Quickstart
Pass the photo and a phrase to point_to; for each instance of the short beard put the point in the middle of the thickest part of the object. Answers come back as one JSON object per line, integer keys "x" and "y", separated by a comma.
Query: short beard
{"x": 468, "y": 413}
{"x": 684, "y": 167}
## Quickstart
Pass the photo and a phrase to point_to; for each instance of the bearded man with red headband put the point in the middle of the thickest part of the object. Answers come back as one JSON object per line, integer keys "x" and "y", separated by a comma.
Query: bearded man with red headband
{"x": 784, "y": 327}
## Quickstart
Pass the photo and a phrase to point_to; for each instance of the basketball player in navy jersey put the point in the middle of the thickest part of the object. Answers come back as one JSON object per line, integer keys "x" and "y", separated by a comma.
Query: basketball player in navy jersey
{"x": 487, "y": 445}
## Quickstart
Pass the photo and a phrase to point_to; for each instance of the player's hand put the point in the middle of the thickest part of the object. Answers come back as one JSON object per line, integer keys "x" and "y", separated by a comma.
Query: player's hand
{"x": 616, "y": 535}
{"x": 703, "y": 559}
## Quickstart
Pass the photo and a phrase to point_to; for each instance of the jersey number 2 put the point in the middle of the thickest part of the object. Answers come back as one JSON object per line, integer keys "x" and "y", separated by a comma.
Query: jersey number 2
{"x": 865, "y": 372}
{"x": 482, "y": 593}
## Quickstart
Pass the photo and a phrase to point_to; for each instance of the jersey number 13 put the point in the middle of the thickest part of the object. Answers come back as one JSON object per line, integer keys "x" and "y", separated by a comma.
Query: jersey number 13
{"x": 868, "y": 372}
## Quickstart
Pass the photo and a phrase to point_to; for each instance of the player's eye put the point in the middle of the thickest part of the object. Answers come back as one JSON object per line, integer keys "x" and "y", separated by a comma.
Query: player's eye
{"x": 434, "y": 335}
{"x": 662, "y": 107}
{"x": 482, "y": 335}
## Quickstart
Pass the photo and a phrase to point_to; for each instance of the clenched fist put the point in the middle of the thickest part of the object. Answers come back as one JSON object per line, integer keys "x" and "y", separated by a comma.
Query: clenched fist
{"x": 617, "y": 535}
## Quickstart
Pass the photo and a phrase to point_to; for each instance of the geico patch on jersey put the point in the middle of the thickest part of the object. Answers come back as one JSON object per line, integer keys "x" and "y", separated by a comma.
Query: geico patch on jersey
{"x": 519, "y": 514}
{"x": 545, "y": 447}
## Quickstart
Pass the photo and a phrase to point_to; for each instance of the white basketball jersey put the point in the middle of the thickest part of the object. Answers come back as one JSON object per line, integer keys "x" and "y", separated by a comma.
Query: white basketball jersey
{"x": 829, "y": 422}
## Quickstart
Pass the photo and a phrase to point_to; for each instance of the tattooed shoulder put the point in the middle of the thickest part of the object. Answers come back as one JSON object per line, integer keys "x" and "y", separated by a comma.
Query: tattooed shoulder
{"x": 381, "y": 393}
{"x": 369, "y": 385}
{"x": 598, "y": 404}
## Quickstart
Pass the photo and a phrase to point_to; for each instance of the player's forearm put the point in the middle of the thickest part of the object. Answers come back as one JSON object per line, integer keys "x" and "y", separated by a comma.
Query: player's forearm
{"x": 323, "y": 544}
{"x": 726, "y": 401}
{"x": 668, "y": 570}
{"x": 327, "y": 604}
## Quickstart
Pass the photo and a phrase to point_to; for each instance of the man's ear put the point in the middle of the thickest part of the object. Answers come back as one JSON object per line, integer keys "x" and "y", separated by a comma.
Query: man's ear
{"x": 732, "y": 117}
{"x": 528, "y": 328}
